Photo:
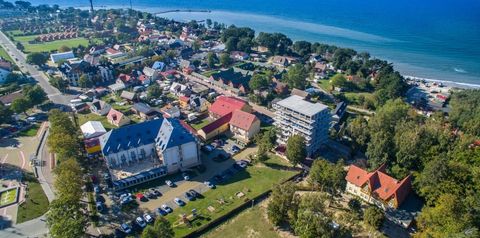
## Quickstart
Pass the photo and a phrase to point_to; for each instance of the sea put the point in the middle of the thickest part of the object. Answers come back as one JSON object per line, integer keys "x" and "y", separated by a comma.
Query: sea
{"x": 429, "y": 39}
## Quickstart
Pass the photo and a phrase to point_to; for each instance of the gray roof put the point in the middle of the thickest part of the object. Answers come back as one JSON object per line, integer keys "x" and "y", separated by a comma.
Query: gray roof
{"x": 298, "y": 104}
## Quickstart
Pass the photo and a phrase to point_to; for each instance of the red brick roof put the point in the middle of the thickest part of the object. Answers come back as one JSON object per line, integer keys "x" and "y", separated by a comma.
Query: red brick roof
{"x": 112, "y": 51}
{"x": 380, "y": 183}
{"x": 125, "y": 77}
{"x": 242, "y": 120}
{"x": 225, "y": 105}
{"x": 217, "y": 123}
{"x": 184, "y": 98}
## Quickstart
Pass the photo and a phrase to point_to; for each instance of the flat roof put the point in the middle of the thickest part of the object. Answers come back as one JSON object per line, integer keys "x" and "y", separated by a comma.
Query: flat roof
{"x": 298, "y": 104}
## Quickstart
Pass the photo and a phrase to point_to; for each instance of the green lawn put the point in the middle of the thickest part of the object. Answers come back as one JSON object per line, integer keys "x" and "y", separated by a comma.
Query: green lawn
{"x": 4, "y": 55}
{"x": 36, "y": 203}
{"x": 8, "y": 197}
{"x": 353, "y": 97}
{"x": 249, "y": 223}
{"x": 325, "y": 84}
{"x": 82, "y": 118}
{"x": 49, "y": 46}
{"x": 32, "y": 131}
{"x": 252, "y": 182}
{"x": 200, "y": 124}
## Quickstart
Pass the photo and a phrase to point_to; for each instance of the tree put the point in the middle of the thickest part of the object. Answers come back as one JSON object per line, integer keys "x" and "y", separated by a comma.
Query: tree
{"x": 23, "y": 4}
{"x": 36, "y": 58}
{"x": 328, "y": 176}
{"x": 58, "y": 83}
{"x": 69, "y": 181}
{"x": 277, "y": 43}
{"x": 281, "y": 203}
{"x": 34, "y": 94}
{"x": 302, "y": 48}
{"x": 64, "y": 48}
{"x": 447, "y": 218}
{"x": 209, "y": 23}
{"x": 296, "y": 149}
{"x": 355, "y": 206}
{"x": 266, "y": 141}
{"x": 296, "y": 76}
{"x": 312, "y": 220}
{"x": 5, "y": 114}
{"x": 64, "y": 145}
{"x": 13, "y": 77}
{"x": 259, "y": 81}
{"x": 154, "y": 91}
{"x": 84, "y": 81}
{"x": 339, "y": 81}
{"x": 20, "y": 46}
{"x": 465, "y": 110}
{"x": 225, "y": 60}
{"x": 65, "y": 219}
{"x": 160, "y": 229}
{"x": 374, "y": 217}
{"x": 20, "y": 105}
{"x": 211, "y": 59}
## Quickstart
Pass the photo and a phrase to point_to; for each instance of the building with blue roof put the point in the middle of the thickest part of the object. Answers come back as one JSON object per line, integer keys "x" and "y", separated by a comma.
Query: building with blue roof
{"x": 162, "y": 145}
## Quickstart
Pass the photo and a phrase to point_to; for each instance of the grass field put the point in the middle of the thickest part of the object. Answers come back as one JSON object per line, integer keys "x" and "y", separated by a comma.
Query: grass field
{"x": 82, "y": 118}
{"x": 5, "y": 55}
{"x": 200, "y": 124}
{"x": 249, "y": 223}
{"x": 252, "y": 182}
{"x": 36, "y": 203}
{"x": 8, "y": 197}
{"x": 32, "y": 131}
{"x": 49, "y": 46}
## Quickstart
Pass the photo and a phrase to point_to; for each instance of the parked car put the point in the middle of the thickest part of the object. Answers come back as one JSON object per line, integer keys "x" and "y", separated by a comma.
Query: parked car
{"x": 99, "y": 206}
{"x": 235, "y": 149}
{"x": 209, "y": 184}
{"x": 189, "y": 196}
{"x": 179, "y": 202}
{"x": 141, "y": 197}
{"x": 96, "y": 188}
{"x": 156, "y": 192}
{"x": 140, "y": 222}
{"x": 167, "y": 208}
{"x": 148, "y": 218}
{"x": 185, "y": 176}
{"x": 126, "y": 228}
{"x": 150, "y": 195}
{"x": 161, "y": 211}
{"x": 170, "y": 183}
{"x": 194, "y": 193}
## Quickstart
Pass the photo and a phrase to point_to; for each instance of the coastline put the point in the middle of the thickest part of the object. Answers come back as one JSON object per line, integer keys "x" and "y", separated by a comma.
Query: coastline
{"x": 333, "y": 33}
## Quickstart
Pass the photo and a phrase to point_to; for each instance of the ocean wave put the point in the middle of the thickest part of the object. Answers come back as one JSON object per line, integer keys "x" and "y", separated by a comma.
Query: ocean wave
{"x": 460, "y": 70}
{"x": 446, "y": 82}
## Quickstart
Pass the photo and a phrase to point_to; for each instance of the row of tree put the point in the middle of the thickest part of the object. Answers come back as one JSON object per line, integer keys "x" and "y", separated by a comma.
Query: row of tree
{"x": 32, "y": 96}
{"x": 67, "y": 216}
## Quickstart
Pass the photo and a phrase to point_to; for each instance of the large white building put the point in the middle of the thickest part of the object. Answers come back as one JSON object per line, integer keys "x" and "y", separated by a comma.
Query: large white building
{"x": 295, "y": 115}
{"x": 142, "y": 152}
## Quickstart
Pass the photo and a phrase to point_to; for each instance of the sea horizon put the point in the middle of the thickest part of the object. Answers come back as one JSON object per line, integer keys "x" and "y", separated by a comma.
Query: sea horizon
{"x": 454, "y": 62}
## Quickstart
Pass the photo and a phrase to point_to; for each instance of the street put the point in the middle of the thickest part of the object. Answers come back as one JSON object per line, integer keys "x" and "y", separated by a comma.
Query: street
{"x": 20, "y": 59}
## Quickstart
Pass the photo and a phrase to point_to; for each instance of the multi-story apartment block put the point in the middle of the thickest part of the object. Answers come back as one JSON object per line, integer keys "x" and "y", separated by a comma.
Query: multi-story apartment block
{"x": 295, "y": 115}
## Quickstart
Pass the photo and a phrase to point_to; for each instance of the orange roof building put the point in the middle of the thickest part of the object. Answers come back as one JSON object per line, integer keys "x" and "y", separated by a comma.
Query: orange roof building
{"x": 224, "y": 105}
{"x": 377, "y": 187}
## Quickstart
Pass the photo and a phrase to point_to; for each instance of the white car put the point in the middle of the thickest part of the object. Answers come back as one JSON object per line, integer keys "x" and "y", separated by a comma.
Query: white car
{"x": 185, "y": 176}
{"x": 169, "y": 183}
{"x": 148, "y": 218}
{"x": 179, "y": 202}
{"x": 140, "y": 222}
{"x": 209, "y": 184}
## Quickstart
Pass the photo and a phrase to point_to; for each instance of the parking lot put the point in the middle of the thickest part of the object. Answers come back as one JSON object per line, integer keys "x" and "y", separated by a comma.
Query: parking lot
{"x": 116, "y": 214}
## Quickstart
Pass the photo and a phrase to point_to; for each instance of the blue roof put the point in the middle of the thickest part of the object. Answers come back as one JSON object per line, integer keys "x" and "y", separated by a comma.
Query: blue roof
{"x": 165, "y": 132}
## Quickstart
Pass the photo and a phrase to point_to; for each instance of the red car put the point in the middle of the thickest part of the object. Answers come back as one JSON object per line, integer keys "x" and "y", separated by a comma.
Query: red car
{"x": 141, "y": 197}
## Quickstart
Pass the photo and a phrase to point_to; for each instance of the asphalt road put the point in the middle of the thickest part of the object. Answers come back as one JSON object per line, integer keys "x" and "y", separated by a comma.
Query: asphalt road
{"x": 20, "y": 59}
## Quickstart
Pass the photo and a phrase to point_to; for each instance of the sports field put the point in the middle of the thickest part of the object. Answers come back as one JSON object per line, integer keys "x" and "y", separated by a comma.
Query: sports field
{"x": 8, "y": 197}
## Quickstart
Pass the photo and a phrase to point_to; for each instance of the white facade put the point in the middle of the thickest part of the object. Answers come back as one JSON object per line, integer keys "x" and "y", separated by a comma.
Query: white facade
{"x": 180, "y": 157}
{"x": 295, "y": 115}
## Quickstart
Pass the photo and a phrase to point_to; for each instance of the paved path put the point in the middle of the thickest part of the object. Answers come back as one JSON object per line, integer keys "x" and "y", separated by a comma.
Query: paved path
{"x": 20, "y": 59}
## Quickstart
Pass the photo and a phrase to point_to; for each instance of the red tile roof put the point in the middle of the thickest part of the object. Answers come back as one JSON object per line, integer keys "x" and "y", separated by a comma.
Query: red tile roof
{"x": 142, "y": 77}
{"x": 242, "y": 120}
{"x": 111, "y": 51}
{"x": 115, "y": 116}
{"x": 217, "y": 123}
{"x": 184, "y": 99}
{"x": 380, "y": 183}
{"x": 125, "y": 77}
{"x": 225, "y": 105}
